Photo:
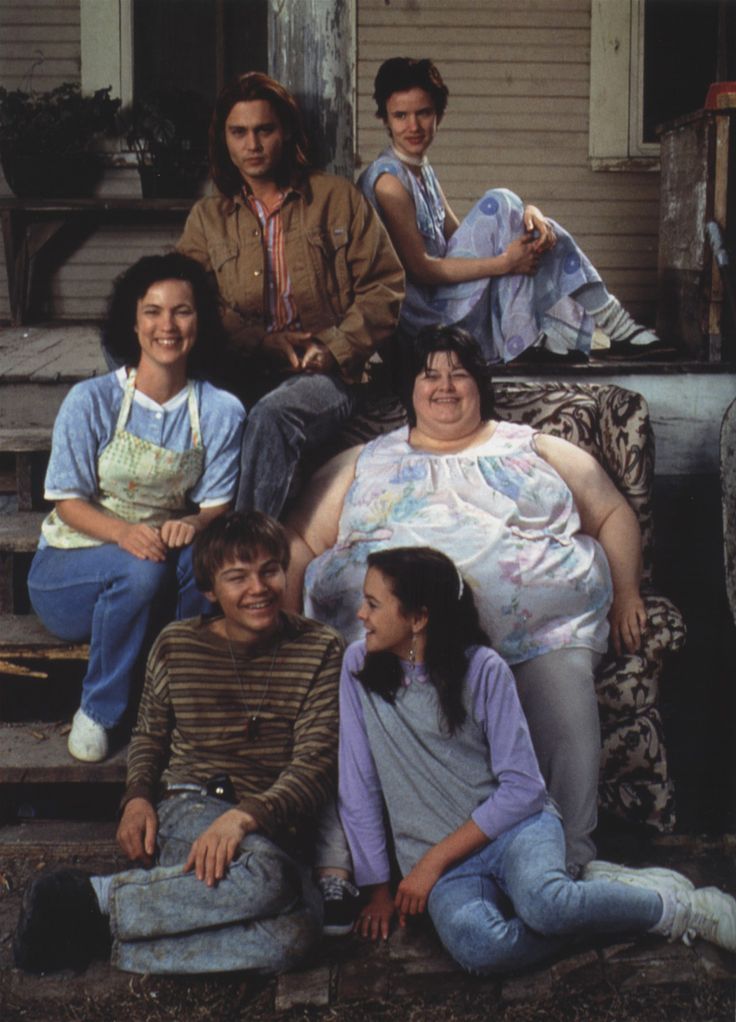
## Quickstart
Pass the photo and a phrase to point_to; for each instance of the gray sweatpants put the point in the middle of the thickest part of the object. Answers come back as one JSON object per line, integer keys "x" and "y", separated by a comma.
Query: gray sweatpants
{"x": 558, "y": 697}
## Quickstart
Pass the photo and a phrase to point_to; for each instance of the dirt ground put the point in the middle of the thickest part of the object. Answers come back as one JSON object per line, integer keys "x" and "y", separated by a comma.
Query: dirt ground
{"x": 215, "y": 1001}
{"x": 103, "y": 995}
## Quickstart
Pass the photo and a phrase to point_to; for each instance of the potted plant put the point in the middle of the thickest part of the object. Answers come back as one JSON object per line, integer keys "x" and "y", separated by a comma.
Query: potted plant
{"x": 168, "y": 134}
{"x": 47, "y": 139}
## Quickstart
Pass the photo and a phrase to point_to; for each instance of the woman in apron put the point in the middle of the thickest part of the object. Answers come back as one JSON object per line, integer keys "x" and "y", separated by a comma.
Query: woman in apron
{"x": 141, "y": 459}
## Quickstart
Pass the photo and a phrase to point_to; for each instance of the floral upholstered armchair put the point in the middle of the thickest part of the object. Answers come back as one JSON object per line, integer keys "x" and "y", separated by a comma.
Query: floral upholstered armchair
{"x": 613, "y": 425}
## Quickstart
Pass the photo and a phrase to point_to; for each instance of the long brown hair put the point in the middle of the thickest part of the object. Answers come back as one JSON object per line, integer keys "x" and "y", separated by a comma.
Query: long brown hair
{"x": 422, "y": 578}
{"x": 243, "y": 89}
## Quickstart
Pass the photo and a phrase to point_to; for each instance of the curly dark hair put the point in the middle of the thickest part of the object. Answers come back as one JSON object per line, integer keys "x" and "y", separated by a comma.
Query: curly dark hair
{"x": 424, "y": 579}
{"x": 399, "y": 74}
{"x": 243, "y": 89}
{"x": 119, "y": 338}
{"x": 453, "y": 339}
{"x": 237, "y": 536}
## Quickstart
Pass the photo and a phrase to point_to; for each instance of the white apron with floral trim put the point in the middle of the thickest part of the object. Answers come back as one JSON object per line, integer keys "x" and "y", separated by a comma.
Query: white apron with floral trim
{"x": 138, "y": 480}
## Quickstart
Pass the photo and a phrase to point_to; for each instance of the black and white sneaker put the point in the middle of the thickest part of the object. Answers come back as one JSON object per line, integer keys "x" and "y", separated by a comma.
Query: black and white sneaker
{"x": 341, "y": 901}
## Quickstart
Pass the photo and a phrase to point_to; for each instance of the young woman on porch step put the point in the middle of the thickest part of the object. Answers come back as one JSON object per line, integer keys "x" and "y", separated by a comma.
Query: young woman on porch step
{"x": 141, "y": 459}
{"x": 515, "y": 279}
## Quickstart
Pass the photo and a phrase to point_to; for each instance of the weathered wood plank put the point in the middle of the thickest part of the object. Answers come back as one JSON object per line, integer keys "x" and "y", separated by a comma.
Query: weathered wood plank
{"x": 78, "y": 836}
{"x": 41, "y": 353}
{"x": 63, "y": 33}
{"x": 19, "y": 532}
{"x": 37, "y": 754}
{"x": 576, "y": 52}
{"x": 23, "y": 635}
{"x": 403, "y": 7}
{"x": 32, "y": 358}
{"x": 32, "y": 404}
{"x": 25, "y": 440}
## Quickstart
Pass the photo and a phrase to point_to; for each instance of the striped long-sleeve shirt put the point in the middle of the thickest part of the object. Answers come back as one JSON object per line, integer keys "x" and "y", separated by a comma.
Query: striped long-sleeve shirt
{"x": 192, "y": 720}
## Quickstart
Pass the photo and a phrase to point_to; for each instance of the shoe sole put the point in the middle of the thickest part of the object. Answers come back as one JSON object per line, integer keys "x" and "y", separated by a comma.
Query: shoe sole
{"x": 638, "y": 877}
{"x": 337, "y": 931}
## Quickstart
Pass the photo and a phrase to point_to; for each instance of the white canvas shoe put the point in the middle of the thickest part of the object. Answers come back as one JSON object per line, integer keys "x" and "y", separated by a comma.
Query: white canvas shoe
{"x": 647, "y": 876}
{"x": 706, "y": 912}
{"x": 87, "y": 739}
{"x": 712, "y": 917}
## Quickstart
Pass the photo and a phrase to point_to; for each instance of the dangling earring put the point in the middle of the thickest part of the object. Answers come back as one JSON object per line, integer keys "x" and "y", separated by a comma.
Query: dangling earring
{"x": 413, "y": 655}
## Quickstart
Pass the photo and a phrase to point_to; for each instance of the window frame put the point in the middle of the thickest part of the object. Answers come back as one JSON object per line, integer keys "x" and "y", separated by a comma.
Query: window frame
{"x": 617, "y": 88}
{"x": 107, "y": 47}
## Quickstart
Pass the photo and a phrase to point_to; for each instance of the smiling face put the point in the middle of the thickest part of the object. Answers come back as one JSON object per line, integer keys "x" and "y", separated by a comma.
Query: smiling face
{"x": 387, "y": 628}
{"x": 166, "y": 324}
{"x": 250, "y": 594}
{"x": 446, "y": 398}
{"x": 411, "y": 121}
{"x": 255, "y": 139}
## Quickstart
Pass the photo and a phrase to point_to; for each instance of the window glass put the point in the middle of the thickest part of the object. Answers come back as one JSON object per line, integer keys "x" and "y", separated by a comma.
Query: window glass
{"x": 230, "y": 38}
{"x": 687, "y": 44}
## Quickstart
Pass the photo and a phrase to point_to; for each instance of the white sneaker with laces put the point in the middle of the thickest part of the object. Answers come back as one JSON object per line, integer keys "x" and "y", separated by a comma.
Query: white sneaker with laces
{"x": 712, "y": 917}
{"x": 648, "y": 876}
{"x": 87, "y": 739}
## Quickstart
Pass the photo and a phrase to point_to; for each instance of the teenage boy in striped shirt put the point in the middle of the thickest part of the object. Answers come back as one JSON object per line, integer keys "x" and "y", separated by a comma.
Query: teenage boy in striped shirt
{"x": 231, "y": 760}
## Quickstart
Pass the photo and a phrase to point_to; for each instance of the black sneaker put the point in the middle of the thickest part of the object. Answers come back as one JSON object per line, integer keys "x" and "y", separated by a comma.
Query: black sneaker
{"x": 341, "y": 901}
{"x": 60, "y": 924}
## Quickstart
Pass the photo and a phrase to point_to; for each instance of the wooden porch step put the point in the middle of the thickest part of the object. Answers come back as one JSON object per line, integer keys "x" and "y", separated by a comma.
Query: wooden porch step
{"x": 24, "y": 439}
{"x": 19, "y": 532}
{"x": 23, "y": 638}
{"x": 36, "y": 753}
{"x": 18, "y": 535}
{"x": 25, "y": 450}
{"x": 65, "y": 838}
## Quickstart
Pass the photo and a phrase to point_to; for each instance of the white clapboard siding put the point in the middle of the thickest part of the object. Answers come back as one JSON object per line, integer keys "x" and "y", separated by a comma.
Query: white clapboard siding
{"x": 518, "y": 73}
{"x": 40, "y": 43}
{"x": 39, "y": 49}
{"x": 80, "y": 286}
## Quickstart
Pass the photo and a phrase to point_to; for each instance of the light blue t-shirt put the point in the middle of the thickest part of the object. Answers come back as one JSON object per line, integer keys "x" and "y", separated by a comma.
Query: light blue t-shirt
{"x": 86, "y": 424}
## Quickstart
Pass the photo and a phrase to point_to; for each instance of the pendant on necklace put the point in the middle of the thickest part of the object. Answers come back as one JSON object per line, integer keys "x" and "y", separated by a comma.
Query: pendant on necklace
{"x": 252, "y": 727}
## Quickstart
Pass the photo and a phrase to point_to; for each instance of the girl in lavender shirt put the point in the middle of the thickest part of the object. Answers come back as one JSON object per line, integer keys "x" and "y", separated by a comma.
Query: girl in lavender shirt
{"x": 431, "y": 726}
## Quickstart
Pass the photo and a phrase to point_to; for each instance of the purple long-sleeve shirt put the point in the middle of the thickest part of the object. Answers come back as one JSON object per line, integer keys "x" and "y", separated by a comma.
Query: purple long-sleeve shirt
{"x": 432, "y": 782}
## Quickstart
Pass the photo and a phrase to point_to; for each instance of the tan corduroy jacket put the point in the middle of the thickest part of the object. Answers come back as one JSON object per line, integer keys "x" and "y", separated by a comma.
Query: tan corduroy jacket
{"x": 346, "y": 278}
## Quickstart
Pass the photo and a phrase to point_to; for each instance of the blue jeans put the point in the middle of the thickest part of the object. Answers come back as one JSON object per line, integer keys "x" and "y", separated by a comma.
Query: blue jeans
{"x": 115, "y": 601}
{"x": 264, "y": 914}
{"x": 300, "y": 414}
{"x": 512, "y": 905}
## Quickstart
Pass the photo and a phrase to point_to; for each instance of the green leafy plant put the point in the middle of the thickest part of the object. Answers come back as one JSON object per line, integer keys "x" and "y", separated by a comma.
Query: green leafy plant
{"x": 168, "y": 134}
{"x": 47, "y": 139}
{"x": 59, "y": 122}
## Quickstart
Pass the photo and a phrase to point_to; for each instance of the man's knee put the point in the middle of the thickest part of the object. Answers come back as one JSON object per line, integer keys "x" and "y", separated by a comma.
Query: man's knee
{"x": 273, "y": 416}
{"x": 271, "y": 873}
